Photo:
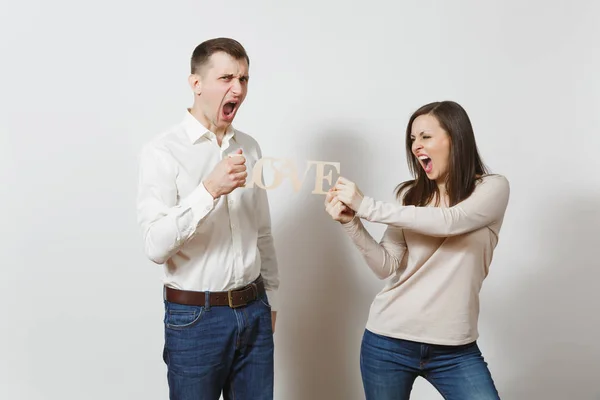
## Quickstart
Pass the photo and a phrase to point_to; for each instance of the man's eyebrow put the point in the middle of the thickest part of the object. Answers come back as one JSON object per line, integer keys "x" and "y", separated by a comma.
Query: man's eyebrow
{"x": 231, "y": 76}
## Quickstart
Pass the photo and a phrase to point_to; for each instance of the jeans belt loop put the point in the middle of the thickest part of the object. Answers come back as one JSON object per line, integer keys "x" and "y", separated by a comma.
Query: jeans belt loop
{"x": 207, "y": 300}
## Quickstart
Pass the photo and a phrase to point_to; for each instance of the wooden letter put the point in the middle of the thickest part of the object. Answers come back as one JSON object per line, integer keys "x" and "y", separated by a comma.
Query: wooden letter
{"x": 320, "y": 172}
{"x": 285, "y": 168}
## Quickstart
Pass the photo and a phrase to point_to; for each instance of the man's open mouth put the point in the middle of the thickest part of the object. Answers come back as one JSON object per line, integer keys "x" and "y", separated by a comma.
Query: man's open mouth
{"x": 229, "y": 108}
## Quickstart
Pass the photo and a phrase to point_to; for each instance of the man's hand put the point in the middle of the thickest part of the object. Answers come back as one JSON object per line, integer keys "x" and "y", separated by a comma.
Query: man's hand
{"x": 348, "y": 193}
{"x": 228, "y": 174}
{"x": 338, "y": 210}
{"x": 273, "y": 318}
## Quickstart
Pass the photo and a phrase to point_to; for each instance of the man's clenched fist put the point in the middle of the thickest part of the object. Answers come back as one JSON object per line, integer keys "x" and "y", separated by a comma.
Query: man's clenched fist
{"x": 228, "y": 174}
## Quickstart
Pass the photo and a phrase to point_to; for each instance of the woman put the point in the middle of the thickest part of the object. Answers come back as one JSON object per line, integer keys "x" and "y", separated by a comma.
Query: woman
{"x": 434, "y": 254}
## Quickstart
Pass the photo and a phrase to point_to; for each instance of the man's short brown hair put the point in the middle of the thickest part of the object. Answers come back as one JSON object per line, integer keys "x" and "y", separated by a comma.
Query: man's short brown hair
{"x": 204, "y": 50}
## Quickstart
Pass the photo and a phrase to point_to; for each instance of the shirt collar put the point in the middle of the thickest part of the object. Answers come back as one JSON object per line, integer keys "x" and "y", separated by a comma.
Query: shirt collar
{"x": 195, "y": 130}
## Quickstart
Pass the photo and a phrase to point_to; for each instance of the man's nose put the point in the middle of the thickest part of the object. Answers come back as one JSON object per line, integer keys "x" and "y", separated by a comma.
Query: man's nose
{"x": 236, "y": 86}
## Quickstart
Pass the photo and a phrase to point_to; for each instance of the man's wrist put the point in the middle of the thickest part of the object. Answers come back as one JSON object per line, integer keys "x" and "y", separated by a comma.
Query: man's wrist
{"x": 210, "y": 189}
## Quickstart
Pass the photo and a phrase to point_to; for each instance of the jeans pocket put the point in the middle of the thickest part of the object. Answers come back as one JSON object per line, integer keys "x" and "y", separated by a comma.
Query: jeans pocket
{"x": 264, "y": 299}
{"x": 181, "y": 317}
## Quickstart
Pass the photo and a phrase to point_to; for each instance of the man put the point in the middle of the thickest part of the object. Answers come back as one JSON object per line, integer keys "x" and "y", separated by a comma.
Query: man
{"x": 213, "y": 235}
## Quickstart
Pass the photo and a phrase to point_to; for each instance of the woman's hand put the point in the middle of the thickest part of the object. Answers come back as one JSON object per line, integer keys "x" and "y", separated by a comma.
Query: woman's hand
{"x": 338, "y": 210}
{"x": 348, "y": 193}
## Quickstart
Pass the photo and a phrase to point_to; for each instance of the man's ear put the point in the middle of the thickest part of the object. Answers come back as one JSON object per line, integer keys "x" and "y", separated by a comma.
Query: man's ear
{"x": 195, "y": 83}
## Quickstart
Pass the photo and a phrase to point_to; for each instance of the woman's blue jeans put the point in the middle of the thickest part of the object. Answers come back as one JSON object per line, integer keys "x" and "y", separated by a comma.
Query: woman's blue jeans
{"x": 390, "y": 366}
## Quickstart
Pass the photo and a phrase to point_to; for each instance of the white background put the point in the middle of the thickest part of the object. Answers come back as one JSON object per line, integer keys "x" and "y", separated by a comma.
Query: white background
{"x": 85, "y": 84}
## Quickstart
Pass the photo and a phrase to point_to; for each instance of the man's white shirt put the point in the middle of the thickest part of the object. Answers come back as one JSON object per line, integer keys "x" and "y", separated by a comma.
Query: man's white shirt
{"x": 205, "y": 244}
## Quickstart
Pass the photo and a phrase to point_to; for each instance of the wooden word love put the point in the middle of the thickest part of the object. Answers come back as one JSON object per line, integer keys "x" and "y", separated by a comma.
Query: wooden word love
{"x": 283, "y": 168}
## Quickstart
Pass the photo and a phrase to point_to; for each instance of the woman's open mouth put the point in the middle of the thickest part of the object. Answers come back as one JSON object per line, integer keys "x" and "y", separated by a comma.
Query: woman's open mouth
{"x": 426, "y": 163}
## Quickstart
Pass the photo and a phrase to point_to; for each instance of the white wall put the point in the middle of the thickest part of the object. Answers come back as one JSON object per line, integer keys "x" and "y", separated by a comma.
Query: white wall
{"x": 84, "y": 85}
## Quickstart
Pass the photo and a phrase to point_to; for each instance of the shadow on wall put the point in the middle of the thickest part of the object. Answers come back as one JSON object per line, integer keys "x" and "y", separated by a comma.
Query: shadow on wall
{"x": 325, "y": 287}
{"x": 550, "y": 325}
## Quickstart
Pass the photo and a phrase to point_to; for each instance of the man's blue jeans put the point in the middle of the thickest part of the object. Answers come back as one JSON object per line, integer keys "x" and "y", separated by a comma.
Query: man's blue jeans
{"x": 213, "y": 350}
{"x": 390, "y": 366}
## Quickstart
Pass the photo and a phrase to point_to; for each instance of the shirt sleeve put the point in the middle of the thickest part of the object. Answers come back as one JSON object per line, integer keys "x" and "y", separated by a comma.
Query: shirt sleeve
{"x": 485, "y": 206}
{"x": 166, "y": 223}
{"x": 266, "y": 246}
{"x": 384, "y": 258}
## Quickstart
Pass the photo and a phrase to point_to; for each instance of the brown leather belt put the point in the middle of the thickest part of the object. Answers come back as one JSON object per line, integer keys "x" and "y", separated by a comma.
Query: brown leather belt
{"x": 232, "y": 298}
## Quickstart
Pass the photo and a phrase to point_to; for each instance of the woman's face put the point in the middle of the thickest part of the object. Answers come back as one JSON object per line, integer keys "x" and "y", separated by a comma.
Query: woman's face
{"x": 431, "y": 146}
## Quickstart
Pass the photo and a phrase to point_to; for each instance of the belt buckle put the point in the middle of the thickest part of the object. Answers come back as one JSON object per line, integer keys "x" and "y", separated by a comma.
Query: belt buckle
{"x": 229, "y": 297}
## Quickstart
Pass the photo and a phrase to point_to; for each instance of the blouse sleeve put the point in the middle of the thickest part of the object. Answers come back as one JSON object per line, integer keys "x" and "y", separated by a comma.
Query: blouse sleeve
{"x": 385, "y": 257}
{"x": 485, "y": 206}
